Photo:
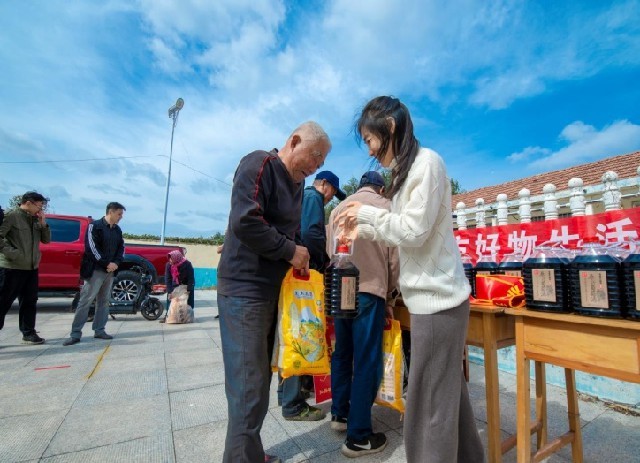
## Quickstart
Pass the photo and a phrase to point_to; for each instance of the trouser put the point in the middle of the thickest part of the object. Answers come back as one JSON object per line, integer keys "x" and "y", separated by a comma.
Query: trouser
{"x": 97, "y": 287}
{"x": 439, "y": 425}
{"x": 356, "y": 365}
{"x": 21, "y": 284}
{"x": 247, "y": 331}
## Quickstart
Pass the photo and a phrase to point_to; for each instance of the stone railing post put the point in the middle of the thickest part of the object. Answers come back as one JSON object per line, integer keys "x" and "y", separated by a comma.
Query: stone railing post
{"x": 480, "y": 223}
{"x": 524, "y": 209}
{"x": 576, "y": 201}
{"x": 550, "y": 202}
{"x": 502, "y": 213}
{"x": 611, "y": 195}
{"x": 461, "y": 216}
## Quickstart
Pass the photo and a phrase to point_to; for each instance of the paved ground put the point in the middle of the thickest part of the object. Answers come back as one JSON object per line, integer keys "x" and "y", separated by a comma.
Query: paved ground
{"x": 156, "y": 393}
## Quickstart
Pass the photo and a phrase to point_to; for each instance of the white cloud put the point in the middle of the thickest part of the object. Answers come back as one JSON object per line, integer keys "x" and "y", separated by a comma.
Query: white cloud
{"x": 585, "y": 143}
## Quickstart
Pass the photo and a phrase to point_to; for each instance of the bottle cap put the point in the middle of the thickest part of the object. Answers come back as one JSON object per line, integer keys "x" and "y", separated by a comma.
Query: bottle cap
{"x": 343, "y": 249}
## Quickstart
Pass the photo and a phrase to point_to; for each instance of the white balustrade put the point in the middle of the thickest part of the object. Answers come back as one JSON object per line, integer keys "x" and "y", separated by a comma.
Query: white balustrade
{"x": 576, "y": 201}
{"x": 612, "y": 197}
{"x": 480, "y": 212}
{"x": 461, "y": 216}
{"x": 524, "y": 209}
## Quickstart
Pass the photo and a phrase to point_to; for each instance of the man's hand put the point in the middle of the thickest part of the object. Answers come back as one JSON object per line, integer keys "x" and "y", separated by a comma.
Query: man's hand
{"x": 389, "y": 310}
{"x": 41, "y": 218}
{"x": 112, "y": 267}
{"x": 300, "y": 260}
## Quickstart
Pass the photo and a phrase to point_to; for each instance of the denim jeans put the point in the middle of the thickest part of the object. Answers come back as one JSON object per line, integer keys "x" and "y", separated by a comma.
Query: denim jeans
{"x": 97, "y": 287}
{"x": 356, "y": 365}
{"x": 247, "y": 331}
{"x": 290, "y": 395}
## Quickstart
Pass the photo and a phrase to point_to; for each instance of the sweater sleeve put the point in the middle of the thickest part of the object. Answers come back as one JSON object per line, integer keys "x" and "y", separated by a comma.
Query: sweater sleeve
{"x": 252, "y": 186}
{"x": 416, "y": 212}
{"x": 9, "y": 251}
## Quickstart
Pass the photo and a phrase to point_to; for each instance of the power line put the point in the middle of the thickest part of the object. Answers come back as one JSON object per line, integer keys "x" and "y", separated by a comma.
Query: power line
{"x": 51, "y": 161}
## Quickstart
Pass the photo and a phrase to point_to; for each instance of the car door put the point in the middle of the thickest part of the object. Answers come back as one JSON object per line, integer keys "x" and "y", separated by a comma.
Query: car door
{"x": 60, "y": 264}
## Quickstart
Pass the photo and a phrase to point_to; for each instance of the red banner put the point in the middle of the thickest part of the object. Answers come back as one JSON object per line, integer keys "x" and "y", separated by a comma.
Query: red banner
{"x": 609, "y": 227}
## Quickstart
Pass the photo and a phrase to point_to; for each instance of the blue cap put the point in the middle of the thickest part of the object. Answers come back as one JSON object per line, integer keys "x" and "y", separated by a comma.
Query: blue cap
{"x": 333, "y": 181}
{"x": 371, "y": 178}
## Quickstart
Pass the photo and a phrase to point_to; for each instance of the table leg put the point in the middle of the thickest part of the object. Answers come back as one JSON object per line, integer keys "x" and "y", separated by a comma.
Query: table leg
{"x": 574, "y": 415}
{"x": 490, "y": 348}
{"x": 541, "y": 404}
{"x": 523, "y": 404}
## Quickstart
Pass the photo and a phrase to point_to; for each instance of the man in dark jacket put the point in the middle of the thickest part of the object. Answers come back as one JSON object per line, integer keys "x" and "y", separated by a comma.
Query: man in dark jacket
{"x": 259, "y": 248}
{"x": 21, "y": 232}
{"x": 103, "y": 252}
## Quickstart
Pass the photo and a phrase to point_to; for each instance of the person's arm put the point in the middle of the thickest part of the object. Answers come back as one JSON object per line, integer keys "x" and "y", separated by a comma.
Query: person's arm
{"x": 412, "y": 226}
{"x": 168, "y": 279}
{"x": 252, "y": 186}
{"x": 93, "y": 245}
{"x": 313, "y": 231}
{"x": 191, "y": 276}
{"x": 9, "y": 251}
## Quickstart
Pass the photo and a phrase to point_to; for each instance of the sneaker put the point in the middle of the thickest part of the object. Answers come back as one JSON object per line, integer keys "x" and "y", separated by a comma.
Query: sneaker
{"x": 338, "y": 423}
{"x": 308, "y": 414}
{"x": 271, "y": 459}
{"x": 162, "y": 320}
{"x": 375, "y": 443}
{"x": 71, "y": 341}
{"x": 32, "y": 339}
{"x": 102, "y": 336}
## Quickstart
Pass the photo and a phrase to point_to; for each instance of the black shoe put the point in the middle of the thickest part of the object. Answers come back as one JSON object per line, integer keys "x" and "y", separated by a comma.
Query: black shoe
{"x": 271, "y": 459}
{"x": 71, "y": 341}
{"x": 338, "y": 423}
{"x": 102, "y": 336}
{"x": 32, "y": 339}
{"x": 162, "y": 320}
{"x": 375, "y": 443}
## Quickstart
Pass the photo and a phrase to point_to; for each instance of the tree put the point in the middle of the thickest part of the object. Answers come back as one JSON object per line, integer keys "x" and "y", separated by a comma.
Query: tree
{"x": 14, "y": 203}
{"x": 456, "y": 189}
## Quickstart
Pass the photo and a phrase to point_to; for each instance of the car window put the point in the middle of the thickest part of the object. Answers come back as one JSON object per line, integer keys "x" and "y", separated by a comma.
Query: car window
{"x": 64, "y": 231}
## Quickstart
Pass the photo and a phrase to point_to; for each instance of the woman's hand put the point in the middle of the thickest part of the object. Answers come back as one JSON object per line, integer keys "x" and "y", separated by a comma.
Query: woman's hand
{"x": 347, "y": 222}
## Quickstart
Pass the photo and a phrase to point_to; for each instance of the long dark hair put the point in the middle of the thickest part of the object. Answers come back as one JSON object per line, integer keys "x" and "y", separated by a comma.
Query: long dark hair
{"x": 375, "y": 119}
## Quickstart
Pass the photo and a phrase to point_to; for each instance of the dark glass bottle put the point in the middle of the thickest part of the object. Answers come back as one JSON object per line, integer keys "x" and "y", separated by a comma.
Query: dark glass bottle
{"x": 511, "y": 264}
{"x": 596, "y": 284}
{"x": 545, "y": 280}
{"x": 341, "y": 281}
{"x": 631, "y": 279}
{"x": 467, "y": 265}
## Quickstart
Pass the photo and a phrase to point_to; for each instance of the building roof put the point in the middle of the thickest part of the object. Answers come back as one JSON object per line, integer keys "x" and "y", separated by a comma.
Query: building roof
{"x": 625, "y": 166}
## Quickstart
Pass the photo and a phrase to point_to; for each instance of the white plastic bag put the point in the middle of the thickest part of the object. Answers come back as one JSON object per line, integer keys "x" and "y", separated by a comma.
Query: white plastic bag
{"x": 179, "y": 310}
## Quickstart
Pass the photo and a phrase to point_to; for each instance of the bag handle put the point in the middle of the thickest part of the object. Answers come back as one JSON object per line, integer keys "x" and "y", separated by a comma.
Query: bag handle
{"x": 299, "y": 276}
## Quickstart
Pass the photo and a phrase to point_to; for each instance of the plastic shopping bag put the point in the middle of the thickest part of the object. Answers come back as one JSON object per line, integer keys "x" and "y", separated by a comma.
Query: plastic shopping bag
{"x": 179, "y": 310}
{"x": 322, "y": 384}
{"x": 390, "y": 390}
{"x": 300, "y": 346}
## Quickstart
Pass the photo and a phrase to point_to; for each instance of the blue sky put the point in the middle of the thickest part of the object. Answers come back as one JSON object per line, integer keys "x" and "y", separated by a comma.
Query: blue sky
{"x": 502, "y": 89}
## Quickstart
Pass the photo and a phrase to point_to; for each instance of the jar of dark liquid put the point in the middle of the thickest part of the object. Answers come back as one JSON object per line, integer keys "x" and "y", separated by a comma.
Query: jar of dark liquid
{"x": 467, "y": 265}
{"x": 511, "y": 264}
{"x": 341, "y": 281}
{"x": 596, "y": 284}
{"x": 631, "y": 279}
{"x": 545, "y": 280}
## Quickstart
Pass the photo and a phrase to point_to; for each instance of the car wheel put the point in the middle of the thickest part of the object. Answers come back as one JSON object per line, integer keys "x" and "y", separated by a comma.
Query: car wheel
{"x": 151, "y": 309}
{"x": 126, "y": 286}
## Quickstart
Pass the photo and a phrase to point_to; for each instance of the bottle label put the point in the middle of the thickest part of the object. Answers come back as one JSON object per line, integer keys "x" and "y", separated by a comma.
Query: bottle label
{"x": 348, "y": 295}
{"x": 593, "y": 289}
{"x": 483, "y": 272}
{"x": 636, "y": 285}
{"x": 544, "y": 284}
{"x": 513, "y": 273}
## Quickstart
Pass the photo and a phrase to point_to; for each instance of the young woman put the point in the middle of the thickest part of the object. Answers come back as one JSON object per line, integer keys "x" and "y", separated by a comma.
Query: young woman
{"x": 439, "y": 425}
{"x": 179, "y": 271}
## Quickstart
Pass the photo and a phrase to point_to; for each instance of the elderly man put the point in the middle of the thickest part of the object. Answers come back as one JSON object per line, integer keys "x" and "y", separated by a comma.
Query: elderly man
{"x": 21, "y": 232}
{"x": 259, "y": 247}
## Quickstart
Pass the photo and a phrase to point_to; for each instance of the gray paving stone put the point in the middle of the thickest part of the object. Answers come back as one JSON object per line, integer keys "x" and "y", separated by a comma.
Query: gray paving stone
{"x": 89, "y": 427}
{"x": 194, "y": 377}
{"x": 198, "y": 406}
{"x": 198, "y": 357}
{"x": 200, "y": 444}
{"x": 154, "y": 449}
{"x": 106, "y": 389}
{"x": 393, "y": 453}
{"x": 26, "y": 437}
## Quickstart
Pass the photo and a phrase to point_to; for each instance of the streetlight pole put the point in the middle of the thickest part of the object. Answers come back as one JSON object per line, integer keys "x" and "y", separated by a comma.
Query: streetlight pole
{"x": 173, "y": 114}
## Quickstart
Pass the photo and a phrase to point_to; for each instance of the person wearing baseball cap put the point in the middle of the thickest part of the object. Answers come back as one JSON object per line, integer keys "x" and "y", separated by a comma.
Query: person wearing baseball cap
{"x": 324, "y": 178}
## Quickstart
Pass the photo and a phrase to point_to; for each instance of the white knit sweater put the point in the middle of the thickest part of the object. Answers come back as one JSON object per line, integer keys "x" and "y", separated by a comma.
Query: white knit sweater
{"x": 432, "y": 278}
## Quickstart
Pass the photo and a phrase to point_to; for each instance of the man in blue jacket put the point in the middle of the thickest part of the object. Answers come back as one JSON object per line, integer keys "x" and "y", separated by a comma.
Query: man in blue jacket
{"x": 314, "y": 237}
{"x": 103, "y": 253}
{"x": 259, "y": 248}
